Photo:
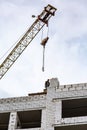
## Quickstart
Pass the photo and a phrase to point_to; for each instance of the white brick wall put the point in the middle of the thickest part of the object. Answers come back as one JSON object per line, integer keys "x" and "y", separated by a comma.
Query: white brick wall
{"x": 50, "y": 103}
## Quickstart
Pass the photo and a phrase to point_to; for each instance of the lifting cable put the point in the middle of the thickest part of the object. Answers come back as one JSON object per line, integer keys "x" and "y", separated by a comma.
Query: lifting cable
{"x": 43, "y": 43}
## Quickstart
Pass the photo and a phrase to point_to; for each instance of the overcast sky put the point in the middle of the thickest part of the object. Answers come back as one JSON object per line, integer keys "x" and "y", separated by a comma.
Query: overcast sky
{"x": 66, "y": 50}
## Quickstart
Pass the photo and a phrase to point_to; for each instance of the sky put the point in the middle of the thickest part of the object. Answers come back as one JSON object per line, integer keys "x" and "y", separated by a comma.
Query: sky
{"x": 65, "y": 53}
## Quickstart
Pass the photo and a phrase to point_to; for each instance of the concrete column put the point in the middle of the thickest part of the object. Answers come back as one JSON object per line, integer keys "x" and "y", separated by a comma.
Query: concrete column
{"x": 43, "y": 119}
{"x": 12, "y": 121}
{"x": 50, "y": 104}
{"x": 58, "y": 111}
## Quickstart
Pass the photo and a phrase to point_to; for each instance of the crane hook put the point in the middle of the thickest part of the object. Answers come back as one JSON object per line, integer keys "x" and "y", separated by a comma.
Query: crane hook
{"x": 44, "y": 41}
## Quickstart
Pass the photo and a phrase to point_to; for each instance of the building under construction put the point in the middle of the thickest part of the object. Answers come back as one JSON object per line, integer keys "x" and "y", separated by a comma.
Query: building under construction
{"x": 58, "y": 107}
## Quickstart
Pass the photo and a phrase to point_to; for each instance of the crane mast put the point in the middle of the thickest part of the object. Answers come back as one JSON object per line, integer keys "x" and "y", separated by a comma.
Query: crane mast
{"x": 30, "y": 34}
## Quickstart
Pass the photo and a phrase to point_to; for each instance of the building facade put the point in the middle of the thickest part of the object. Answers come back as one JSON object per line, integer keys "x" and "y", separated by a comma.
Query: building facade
{"x": 58, "y": 107}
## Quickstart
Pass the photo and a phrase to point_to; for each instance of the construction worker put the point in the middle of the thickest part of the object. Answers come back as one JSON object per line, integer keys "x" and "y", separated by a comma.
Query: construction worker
{"x": 47, "y": 84}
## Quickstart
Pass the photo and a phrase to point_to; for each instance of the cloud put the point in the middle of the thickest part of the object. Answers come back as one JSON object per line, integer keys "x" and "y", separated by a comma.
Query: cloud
{"x": 3, "y": 93}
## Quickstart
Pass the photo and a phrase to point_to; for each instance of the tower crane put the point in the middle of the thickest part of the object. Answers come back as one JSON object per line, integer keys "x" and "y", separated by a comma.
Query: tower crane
{"x": 27, "y": 38}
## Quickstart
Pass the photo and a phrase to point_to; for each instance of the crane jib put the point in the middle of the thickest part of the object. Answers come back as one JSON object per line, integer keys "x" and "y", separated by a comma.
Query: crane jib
{"x": 39, "y": 23}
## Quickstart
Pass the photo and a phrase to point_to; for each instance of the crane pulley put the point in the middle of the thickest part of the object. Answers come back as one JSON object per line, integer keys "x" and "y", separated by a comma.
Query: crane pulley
{"x": 22, "y": 44}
